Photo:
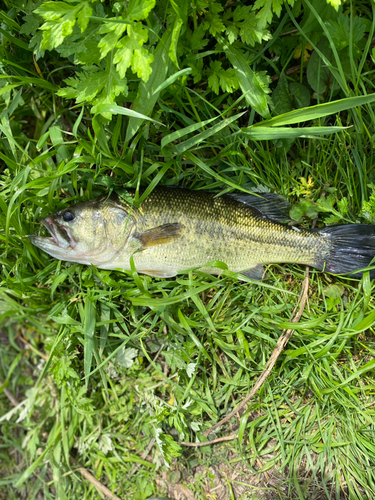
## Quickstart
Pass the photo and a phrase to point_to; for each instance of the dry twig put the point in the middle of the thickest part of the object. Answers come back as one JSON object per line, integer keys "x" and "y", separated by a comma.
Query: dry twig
{"x": 9, "y": 395}
{"x": 208, "y": 443}
{"x": 86, "y": 474}
{"x": 283, "y": 340}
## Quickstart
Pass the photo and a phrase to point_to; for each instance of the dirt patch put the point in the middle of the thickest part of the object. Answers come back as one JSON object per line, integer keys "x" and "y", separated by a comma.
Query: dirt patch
{"x": 224, "y": 475}
{"x": 225, "y": 478}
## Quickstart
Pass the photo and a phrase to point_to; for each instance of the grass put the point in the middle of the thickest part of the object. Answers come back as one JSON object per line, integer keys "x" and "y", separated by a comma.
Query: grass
{"x": 103, "y": 363}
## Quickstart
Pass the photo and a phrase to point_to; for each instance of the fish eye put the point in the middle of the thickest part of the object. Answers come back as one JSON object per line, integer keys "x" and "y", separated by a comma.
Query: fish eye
{"x": 68, "y": 217}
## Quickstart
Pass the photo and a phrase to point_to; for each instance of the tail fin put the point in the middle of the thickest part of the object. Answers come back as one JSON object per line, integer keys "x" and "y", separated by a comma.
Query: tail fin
{"x": 352, "y": 249}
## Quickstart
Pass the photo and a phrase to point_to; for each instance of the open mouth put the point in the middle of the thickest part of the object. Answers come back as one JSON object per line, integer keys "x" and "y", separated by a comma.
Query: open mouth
{"x": 60, "y": 235}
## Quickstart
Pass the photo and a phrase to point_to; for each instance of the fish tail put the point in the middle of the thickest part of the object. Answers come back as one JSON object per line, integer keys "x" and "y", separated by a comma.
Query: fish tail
{"x": 351, "y": 248}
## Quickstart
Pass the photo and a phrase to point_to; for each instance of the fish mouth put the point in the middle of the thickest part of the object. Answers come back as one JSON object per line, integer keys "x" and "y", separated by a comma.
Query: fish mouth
{"x": 61, "y": 237}
{"x": 60, "y": 234}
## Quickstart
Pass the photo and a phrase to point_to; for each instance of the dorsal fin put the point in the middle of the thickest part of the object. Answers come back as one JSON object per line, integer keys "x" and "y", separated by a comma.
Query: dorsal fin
{"x": 272, "y": 205}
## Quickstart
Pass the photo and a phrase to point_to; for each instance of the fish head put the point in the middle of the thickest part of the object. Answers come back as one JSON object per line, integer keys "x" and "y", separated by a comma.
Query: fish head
{"x": 91, "y": 232}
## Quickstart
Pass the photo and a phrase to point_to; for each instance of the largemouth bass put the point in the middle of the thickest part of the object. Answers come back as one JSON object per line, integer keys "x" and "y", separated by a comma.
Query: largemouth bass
{"x": 177, "y": 229}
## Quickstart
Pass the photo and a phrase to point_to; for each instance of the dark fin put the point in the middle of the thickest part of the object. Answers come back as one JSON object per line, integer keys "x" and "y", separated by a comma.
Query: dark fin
{"x": 256, "y": 273}
{"x": 272, "y": 205}
{"x": 160, "y": 274}
{"x": 352, "y": 248}
{"x": 160, "y": 235}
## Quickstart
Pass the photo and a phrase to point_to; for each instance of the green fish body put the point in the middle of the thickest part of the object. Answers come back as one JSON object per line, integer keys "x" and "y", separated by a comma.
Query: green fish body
{"x": 175, "y": 229}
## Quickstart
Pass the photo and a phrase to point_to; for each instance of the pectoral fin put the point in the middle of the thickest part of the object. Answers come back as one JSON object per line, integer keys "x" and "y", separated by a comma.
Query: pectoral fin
{"x": 160, "y": 235}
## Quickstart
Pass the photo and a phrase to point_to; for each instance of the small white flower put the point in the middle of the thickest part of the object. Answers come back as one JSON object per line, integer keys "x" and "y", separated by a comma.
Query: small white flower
{"x": 190, "y": 369}
{"x": 105, "y": 443}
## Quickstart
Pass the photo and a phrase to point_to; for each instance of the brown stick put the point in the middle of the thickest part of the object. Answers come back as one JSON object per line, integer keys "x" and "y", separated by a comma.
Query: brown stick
{"x": 208, "y": 443}
{"x": 29, "y": 346}
{"x": 9, "y": 395}
{"x": 86, "y": 474}
{"x": 283, "y": 340}
{"x": 291, "y": 32}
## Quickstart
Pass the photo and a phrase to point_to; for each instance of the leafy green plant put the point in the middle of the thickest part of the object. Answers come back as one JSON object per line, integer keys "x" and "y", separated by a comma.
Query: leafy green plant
{"x": 305, "y": 208}
{"x": 368, "y": 208}
{"x": 115, "y": 370}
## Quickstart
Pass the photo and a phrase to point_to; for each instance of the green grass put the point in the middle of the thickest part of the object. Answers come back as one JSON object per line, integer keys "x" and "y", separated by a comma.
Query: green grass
{"x": 102, "y": 362}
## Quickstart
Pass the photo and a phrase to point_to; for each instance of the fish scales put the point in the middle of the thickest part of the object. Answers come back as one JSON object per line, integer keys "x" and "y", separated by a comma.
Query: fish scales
{"x": 177, "y": 229}
{"x": 220, "y": 228}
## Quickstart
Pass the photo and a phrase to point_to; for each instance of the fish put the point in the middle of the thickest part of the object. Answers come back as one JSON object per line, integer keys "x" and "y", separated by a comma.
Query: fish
{"x": 175, "y": 229}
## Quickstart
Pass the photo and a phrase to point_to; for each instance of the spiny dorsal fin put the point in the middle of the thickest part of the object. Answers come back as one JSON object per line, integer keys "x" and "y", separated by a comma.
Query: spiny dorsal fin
{"x": 160, "y": 235}
{"x": 272, "y": 205}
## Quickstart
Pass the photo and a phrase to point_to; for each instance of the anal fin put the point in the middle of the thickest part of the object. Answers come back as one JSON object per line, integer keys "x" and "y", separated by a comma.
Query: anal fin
{"x": 255, "y": 273}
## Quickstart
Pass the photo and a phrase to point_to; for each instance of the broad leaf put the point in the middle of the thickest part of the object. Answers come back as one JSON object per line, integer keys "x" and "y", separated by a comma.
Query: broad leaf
{"x": 96, "y": 87}
{"x": 60, "y": 20}
{"x": 253, "y": 85}
{"x": 147, "y": 97}
{"x": 281, "y": 97}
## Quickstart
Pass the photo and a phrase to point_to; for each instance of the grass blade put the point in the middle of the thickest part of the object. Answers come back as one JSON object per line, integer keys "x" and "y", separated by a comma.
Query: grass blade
{"x": 366, "y": 323}
{"x": 88, "y": 330}
{"x": 318, "y": 111}
{"x": 155, "y": 181}
{"x": 189, "y": 143}
{"x": 178, "y": 134}
{"x": 194, "y": 338}
{"x": 33, "y": 81}
{"x": 120, "y": 110}
{"x": 264, "y": 133}
{"x": 171, "y": 79}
